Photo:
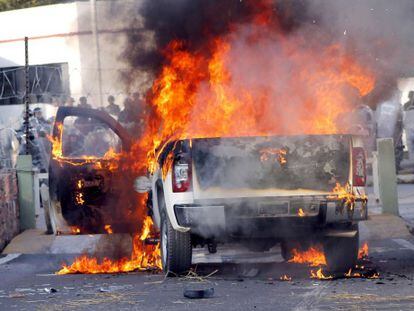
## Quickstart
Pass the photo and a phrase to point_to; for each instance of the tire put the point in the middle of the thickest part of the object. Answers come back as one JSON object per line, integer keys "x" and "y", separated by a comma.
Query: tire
{"x": 176, "y": 249}
{"x": 341, "y": 253}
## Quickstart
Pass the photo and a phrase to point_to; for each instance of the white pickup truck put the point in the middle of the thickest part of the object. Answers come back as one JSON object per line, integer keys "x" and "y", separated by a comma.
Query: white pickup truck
{"x": 259, "y": 191}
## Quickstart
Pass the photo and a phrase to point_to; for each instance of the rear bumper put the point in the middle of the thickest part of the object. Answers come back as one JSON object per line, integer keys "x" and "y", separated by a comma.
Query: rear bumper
{"x": 268, "y": 218}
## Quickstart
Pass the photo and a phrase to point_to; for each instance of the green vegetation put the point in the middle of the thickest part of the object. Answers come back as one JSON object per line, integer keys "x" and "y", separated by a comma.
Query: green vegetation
{"x": 6, "y": 5}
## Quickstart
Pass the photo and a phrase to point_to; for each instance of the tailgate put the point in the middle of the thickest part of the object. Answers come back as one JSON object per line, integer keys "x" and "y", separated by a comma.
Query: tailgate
{"x": 270, "y": 166}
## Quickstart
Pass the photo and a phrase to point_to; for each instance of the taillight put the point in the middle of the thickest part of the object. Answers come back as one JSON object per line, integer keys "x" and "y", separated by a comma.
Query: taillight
{"x": 358, "y": 167}
{"x": 181, "y": 177}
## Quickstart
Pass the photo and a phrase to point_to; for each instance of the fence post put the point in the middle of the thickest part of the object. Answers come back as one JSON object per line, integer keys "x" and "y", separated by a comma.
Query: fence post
{"x": 387, "y": 176}
{"x": 26, "y": 192}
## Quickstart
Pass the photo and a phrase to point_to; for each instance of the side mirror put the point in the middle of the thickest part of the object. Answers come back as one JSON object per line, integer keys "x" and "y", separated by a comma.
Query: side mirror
{"x": 142, "y": 184}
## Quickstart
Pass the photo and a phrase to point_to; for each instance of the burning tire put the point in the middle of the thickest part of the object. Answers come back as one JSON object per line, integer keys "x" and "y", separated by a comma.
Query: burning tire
{"x": 341, "y": 253}
{"x": 176, "y": 249}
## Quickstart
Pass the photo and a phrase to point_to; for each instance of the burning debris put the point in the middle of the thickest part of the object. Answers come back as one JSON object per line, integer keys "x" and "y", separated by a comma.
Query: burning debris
{"x": 143, "y": 257}
{"x": 274, "y": 155}
{"x": 285, "y": 278}
{"x": 75, "y": 230}
{"x": 108, "y": 229}
{"x": 314, "y": 257}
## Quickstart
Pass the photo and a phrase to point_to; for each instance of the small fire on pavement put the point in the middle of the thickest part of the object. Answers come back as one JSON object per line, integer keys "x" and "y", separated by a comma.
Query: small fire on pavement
{"x": 285, "y": 278}
{"x": 314, "y": 257}
{"x": 143, "y": 257}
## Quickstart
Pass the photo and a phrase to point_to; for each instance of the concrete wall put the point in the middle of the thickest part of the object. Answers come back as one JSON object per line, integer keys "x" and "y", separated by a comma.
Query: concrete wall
{"x": 9, "y": 209}
{"x": 62, "y": 33}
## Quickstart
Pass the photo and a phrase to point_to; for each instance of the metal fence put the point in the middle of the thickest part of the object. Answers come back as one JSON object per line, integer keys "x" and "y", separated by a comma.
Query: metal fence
{"x": 46, "y": 83}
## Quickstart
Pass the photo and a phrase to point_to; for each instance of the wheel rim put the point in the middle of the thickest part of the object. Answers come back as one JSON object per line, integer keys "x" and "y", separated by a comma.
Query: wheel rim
{"x": 164, "y": 243}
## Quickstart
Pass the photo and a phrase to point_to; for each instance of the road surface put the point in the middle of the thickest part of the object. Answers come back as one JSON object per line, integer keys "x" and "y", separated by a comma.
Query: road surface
{"x": 26, "y": 280}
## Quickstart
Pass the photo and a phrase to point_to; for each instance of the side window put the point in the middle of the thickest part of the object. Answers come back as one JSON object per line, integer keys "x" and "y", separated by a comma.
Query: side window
{"x": 88, "y": 137}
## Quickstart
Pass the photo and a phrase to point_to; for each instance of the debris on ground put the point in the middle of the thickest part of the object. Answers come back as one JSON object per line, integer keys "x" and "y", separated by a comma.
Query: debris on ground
{"x": 199, "y": 293}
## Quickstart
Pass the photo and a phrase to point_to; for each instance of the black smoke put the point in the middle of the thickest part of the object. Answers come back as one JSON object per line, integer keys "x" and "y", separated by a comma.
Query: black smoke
{"x": 196, "y": 22}
{"x": 379, "y": 33}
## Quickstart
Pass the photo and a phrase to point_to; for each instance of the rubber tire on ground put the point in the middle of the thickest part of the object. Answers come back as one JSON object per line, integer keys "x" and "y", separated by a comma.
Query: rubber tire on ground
{"x": 341, "y": 253}
{"x": 179, "y": 250}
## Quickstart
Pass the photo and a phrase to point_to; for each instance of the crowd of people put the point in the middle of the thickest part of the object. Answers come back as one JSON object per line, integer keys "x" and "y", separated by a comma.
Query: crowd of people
{"x": 131, "y": 118}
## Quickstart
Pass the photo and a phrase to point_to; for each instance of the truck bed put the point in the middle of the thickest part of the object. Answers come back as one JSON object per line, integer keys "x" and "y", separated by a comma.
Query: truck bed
{"x": 270, "y": 166}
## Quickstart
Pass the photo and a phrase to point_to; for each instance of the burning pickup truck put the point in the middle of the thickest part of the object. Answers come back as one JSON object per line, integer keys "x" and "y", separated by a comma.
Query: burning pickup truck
{"x": 259, "y": 191}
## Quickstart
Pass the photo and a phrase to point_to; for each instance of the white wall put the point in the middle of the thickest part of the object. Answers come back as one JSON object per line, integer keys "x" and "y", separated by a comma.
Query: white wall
{"x": 62, "y": 33}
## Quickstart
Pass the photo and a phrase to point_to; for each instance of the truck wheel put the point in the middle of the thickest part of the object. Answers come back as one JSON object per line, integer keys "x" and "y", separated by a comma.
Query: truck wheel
{"x": 341, "y": 253}
{"x": 176, "y": 249}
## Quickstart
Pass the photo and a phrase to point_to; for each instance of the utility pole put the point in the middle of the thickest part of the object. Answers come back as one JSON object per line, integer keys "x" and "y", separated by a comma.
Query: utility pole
{"x": 26, "y": 121}
{"x": 94, "y": 27}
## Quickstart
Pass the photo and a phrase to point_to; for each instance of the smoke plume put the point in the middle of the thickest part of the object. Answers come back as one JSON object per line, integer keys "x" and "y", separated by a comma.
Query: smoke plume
{"x": 376, "y": 32}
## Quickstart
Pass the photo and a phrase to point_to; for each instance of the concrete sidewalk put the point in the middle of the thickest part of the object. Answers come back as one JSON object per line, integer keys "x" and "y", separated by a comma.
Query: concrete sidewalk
{"x": 405, "y": 203}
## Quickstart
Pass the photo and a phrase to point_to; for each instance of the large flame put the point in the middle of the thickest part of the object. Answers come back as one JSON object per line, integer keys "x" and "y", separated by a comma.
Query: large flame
{"x": 253, "y": 81}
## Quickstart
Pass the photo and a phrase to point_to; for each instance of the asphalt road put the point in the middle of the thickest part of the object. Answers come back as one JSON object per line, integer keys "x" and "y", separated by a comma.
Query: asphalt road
{"x": 248, "y": 286}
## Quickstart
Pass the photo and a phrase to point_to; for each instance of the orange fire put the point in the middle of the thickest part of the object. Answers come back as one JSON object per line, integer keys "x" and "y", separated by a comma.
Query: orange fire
{"x": 108, "y": 229}
{"x": 75, "y": 230}
{"x": 275, "y": 155}
{"x": 79, "y": 198}
{"x": 345, "y": 194}
{"x": 313, "y": 256}
{"x": 109, "y": 159}
{"x": 143, "y": 257}
{"x": 285, "y": 278}
{"x": 232, "y": 90}
{"x": 301, "y": 213}
{"x": 228, "y": 88}
{"x": 363, "y": 251}
{"x": 320, "y": 275}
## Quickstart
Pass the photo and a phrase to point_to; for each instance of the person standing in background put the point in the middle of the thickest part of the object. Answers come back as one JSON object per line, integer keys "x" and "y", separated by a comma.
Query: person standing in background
{"x": 410, "y": 104}
{"x": 112, "y": 108}
{"x": 83, "y": 102}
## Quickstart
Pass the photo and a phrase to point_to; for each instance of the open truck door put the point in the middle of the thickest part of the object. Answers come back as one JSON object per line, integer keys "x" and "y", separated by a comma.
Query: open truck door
{"x": 87, "y": 193}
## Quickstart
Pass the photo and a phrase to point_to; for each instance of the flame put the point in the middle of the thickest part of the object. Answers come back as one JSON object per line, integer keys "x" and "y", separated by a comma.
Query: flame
{"x": 313, "y": 256}
{"x": 75, "y": 230}
{"x": 301, "y": 213}
{"x": 79, "y": 198}
{"x": 229, "y": 89}
{"x": 206, "y": 94}
{"x": 345, "y": 194}
{"x": 275, "y": 155}
{"x": 143, "y": 257}
{"x": 363, "y": 251}
{"x": 285, "y": 278}
{"x": 319, "y": 275}
{"x": 109, "y": 159}
{"x": 108, "y": 229}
